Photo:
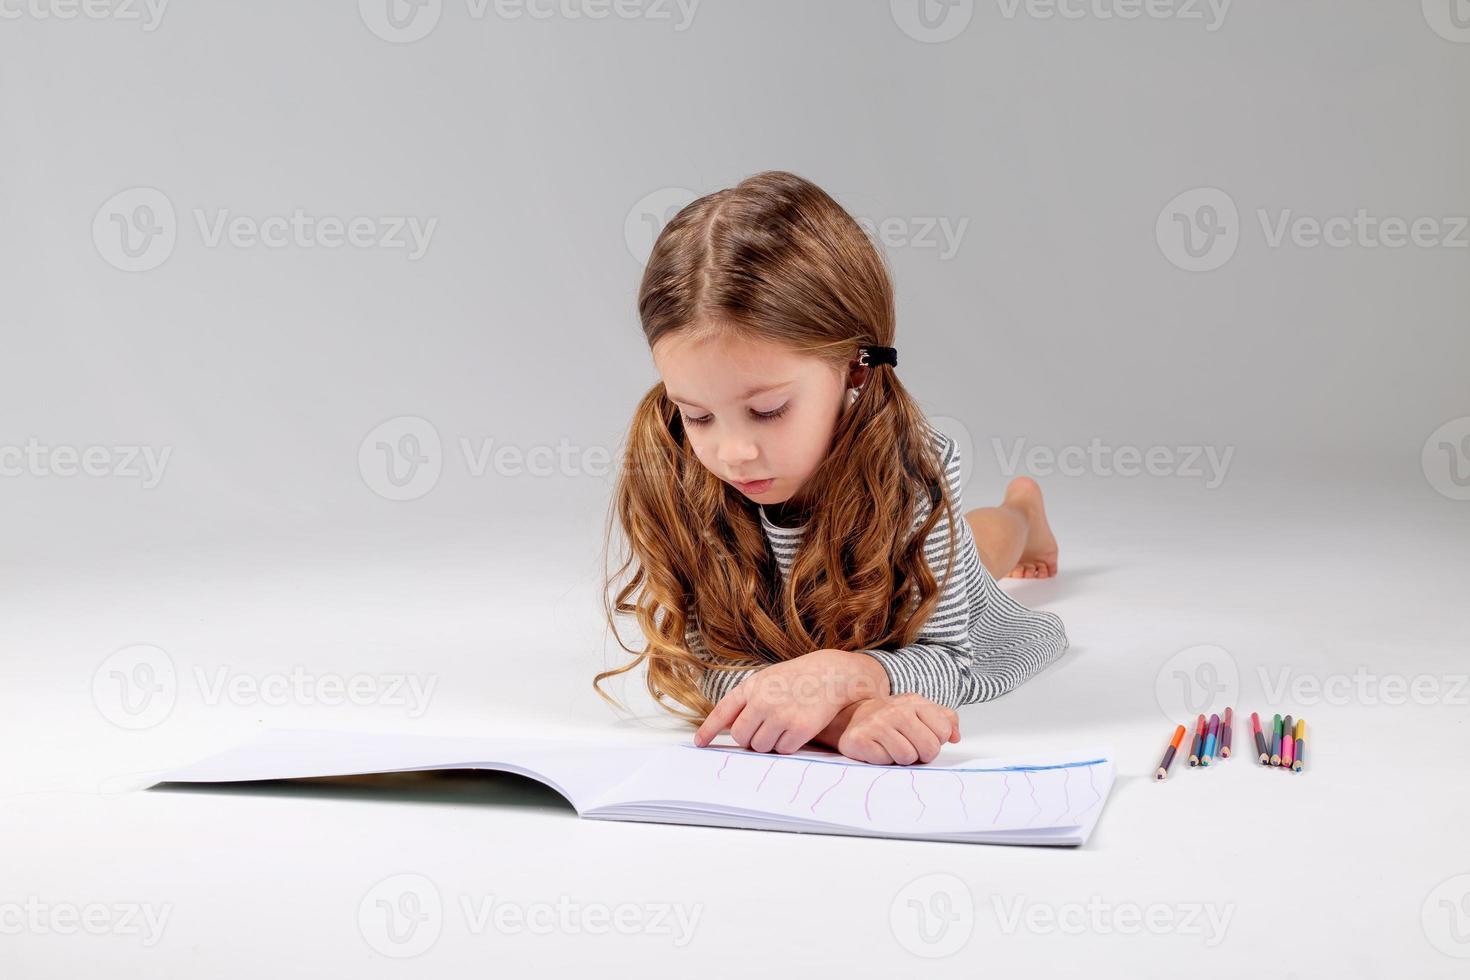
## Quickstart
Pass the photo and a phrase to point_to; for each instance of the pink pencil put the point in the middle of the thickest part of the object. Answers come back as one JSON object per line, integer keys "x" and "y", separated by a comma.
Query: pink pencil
{"x": 1288, "y": 751}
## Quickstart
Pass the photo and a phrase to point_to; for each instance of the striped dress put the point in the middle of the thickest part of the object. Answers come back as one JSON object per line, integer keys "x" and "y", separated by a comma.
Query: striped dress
{"x": 978, "y": 643}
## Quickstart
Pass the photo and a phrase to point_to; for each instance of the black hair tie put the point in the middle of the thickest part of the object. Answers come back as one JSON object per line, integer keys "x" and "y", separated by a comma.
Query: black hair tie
{"x": 870, "y": 356}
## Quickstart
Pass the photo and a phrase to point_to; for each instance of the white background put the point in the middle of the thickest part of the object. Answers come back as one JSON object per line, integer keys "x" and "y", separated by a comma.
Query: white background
{"x": 1330, "y": 549}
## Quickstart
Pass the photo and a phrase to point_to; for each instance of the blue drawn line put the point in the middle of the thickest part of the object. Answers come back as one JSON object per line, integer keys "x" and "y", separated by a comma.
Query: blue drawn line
{"x": 915, "y": 768}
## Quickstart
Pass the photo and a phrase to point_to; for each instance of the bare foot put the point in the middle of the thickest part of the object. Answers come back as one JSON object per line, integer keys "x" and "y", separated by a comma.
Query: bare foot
{"x": 1039, "y": 554}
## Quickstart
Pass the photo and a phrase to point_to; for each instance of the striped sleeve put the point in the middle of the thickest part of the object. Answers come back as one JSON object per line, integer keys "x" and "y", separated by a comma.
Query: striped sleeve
{"x": 713, "y": 684}
{"x": 979, "y": 643}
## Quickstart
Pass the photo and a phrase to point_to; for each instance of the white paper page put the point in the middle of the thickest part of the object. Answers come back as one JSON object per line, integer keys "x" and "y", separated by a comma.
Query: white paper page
{"x": 977, "y": 795}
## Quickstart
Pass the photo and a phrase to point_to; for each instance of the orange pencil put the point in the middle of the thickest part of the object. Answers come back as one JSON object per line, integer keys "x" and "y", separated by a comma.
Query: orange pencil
{"x": 1163, "y": 772}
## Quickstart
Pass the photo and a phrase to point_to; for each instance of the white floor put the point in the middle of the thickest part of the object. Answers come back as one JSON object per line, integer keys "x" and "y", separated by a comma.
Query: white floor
{"x": 1358, "y": 867}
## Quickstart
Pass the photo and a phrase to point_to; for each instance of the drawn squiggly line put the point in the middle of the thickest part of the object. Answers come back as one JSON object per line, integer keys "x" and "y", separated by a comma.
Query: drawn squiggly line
{"x": 1097, "y": 796}
{"x": 721, "y": 773}
{"x": 914, "y": 786}
{"x": 1032, "y": 785}
{"x": 1003, "y": 797}
{"x": 764, "y": 775}
{"x": 870, "y": 793}
{"x": 829, "y": 789}
{"x": 1066, "y": 792}
{"x": 799, "y": 782}
{"x": 963, "y": 808}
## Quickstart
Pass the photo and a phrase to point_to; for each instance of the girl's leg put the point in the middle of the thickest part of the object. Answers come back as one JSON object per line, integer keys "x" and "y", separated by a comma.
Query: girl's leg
{"x": 1015, "y": 539}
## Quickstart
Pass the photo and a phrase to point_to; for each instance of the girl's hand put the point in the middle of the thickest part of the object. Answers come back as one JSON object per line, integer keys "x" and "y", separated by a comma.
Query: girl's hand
{"x": 899, "y": 729}
{"x": 782, "y": 707}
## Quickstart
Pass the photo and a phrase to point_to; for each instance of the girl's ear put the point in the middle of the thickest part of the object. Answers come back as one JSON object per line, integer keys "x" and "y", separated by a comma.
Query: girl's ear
{"x": 857, "y": 375}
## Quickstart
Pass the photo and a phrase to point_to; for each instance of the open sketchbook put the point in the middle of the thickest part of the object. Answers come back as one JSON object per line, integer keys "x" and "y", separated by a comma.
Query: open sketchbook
{"x": 976, "y": 801}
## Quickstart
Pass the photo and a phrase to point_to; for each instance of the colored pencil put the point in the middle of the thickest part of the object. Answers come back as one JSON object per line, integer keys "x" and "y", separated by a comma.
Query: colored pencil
{"x": 1225, "y": 736}
{"x": 1260, "y": 739}
{"x": 1197, "y": 744}
{"x": 1297, "y": 760}
{"x": 1163, "y": 772}
{"x": 1276, "y": 741}
{"x": 1286, "y": 743}
{"x": 1211, "y": 736}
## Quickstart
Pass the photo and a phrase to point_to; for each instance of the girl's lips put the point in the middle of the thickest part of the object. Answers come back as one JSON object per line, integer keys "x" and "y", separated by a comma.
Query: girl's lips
{"x": 758, "y": 486}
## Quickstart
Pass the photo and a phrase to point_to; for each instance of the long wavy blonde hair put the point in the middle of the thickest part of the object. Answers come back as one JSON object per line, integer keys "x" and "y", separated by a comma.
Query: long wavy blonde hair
{"x": 779, "y": 260}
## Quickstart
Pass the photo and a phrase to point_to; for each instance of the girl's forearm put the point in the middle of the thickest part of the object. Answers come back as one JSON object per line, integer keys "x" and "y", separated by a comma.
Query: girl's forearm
{"x": 865, "y": 676}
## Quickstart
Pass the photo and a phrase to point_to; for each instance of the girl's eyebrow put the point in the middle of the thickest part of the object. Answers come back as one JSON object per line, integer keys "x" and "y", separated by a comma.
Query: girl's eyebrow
{"x": 749, "y": 394}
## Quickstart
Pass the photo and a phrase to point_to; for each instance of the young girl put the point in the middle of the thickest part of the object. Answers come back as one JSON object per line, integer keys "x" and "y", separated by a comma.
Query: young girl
{"x": 797, "y": 572}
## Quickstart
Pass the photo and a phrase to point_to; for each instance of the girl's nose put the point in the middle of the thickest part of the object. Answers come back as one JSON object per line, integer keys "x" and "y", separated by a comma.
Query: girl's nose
{"x": 735, "y": 451}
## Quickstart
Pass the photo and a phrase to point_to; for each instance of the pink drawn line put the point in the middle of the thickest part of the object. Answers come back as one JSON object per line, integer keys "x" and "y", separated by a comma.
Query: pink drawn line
{"x": 963, "y": 809}
{"x": 721, "y": 773}
{"x": 813, "y": 807}
{"x": 915, "y": 788}
{"x": 1034, "y": 803}
{"x": 870, "y": 793}
{"x": 764, "y": 775}
{"x": 800, "y": 781}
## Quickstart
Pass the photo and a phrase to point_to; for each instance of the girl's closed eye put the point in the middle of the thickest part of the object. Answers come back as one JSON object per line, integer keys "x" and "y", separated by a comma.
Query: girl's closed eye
{"x": 766, "y": 416}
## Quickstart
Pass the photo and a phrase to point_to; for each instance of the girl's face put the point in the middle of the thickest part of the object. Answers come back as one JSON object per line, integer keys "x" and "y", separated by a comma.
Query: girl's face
{"x": 759, "y": 416}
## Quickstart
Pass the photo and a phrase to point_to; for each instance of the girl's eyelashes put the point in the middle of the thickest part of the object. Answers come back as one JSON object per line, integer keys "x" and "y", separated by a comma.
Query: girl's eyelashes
{"x": 765, "y": 416}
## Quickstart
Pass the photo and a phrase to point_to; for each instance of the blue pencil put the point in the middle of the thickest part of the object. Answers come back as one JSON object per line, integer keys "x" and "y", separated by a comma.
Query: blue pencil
{"x": 1211, "y": 734}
